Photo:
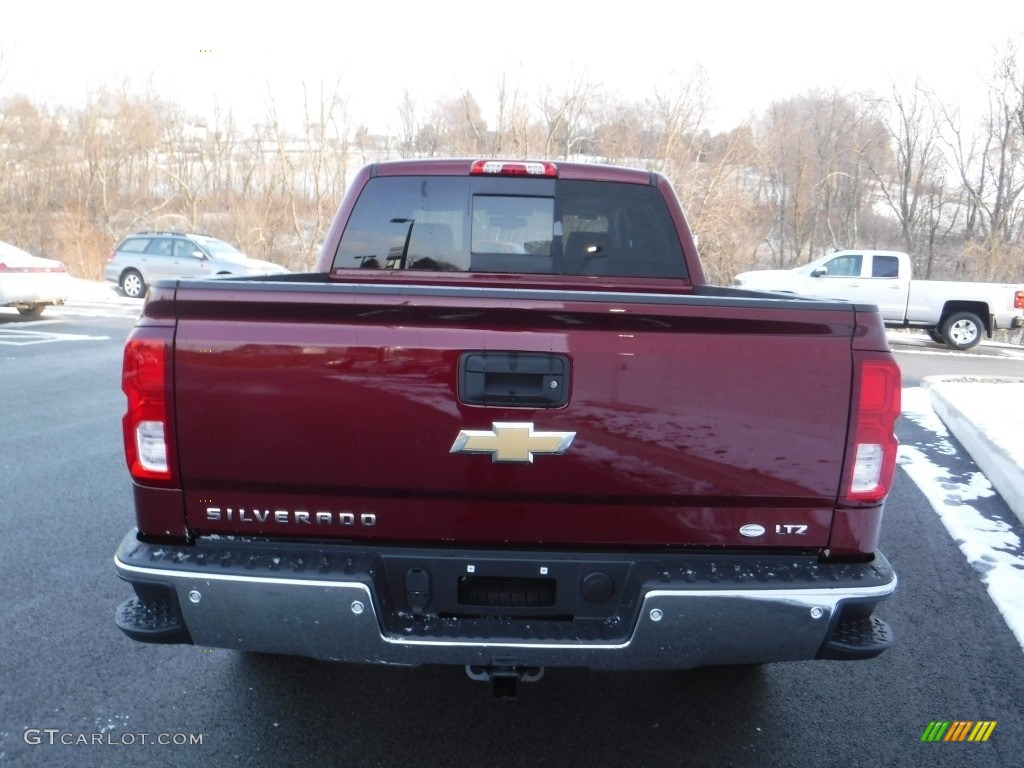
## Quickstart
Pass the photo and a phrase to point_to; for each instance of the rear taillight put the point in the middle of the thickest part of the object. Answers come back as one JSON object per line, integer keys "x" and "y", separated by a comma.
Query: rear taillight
{"x": 145, "y": 376}
{"x": 1018, "y": 300}
{"x": 871, "y": 455}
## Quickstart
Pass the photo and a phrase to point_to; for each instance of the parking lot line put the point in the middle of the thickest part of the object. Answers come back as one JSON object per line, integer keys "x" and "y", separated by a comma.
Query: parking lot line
{"x": 11, "y": 337}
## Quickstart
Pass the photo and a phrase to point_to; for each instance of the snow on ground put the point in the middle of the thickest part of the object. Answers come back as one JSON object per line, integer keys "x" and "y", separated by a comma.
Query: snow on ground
{"x": 996, "y": 410}
{"x": 93, "y": 291}
{"x": 990, "y": 545}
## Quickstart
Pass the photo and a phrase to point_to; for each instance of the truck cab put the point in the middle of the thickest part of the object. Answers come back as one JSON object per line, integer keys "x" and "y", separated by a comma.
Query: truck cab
{"x": 870, "y": 277}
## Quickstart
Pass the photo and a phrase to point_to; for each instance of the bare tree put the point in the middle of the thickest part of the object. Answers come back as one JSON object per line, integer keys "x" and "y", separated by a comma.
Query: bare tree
{"x": 123, "y": 139}
{"x": 908, "y": 188}
{"x": 311, "y": 168}
{"x": 788, "y": 178}
{"x": 33, "y": 168}
{"x": 815, "y": 150}
{"x": 848, "y": 139}
{"x": 512, "y": 132}
{"x": 456, "y": 128}
{"x": 990, "y": 164}
{"x": 725, "y": 217}
{"x": 564, "y": 115}
{"x": 222, "y": 143}
{"x": 409, "y": 125}
{"x": 622, "y": 131}
{"x": 680, "y": 116}
{"x": 187, "y": 169}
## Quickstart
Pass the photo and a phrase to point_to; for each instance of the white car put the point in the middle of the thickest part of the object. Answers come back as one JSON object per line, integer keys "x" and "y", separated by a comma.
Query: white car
{"x": 29, "y": 282}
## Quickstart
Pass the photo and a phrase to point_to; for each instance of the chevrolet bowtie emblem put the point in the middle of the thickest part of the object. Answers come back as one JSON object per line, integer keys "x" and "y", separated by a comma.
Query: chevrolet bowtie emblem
{"x": 512, "y": 441}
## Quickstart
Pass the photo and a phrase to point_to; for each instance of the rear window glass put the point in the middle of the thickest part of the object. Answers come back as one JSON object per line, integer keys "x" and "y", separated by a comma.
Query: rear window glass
{"x": 885, "y": 266}
{"x": 505, "y": 224}
{"x": 465, "y": 225}
{"x": 134, "y": 245}
{"x": 407, "y": 223}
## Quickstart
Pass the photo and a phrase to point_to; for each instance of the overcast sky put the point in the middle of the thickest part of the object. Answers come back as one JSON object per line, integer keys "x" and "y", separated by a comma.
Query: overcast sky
{"x": 196, "y": 53}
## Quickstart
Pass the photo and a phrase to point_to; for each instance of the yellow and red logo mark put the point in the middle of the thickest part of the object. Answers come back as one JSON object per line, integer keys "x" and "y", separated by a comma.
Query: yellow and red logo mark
{"x": 958, "y": 730}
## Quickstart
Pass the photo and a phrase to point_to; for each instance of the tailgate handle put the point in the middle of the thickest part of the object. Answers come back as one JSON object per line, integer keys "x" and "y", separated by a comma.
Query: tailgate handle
{"x": 514, "y": 379}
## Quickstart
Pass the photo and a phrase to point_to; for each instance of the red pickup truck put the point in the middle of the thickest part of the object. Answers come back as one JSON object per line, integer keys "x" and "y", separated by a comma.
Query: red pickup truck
{"x": 506, "y": 425}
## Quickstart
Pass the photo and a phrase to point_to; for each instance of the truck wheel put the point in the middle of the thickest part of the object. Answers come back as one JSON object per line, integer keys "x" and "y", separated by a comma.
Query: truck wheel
{"x": 935, "y": 336}
{"x": 31, "y": 310}
{"x": 962, "y": 330}
{"x": 132, "y": 284}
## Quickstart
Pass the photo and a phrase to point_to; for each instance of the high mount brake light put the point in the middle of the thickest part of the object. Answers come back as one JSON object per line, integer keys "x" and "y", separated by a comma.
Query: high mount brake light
{"x": 147, "y": 423}
{"x": 871, "y": 455}
{"x": 513, "y": 168}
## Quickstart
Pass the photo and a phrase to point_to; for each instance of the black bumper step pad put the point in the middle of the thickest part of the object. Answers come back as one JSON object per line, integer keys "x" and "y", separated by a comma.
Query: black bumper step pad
{"x": 855, "y": 639}
{"x": 152, "y": 621}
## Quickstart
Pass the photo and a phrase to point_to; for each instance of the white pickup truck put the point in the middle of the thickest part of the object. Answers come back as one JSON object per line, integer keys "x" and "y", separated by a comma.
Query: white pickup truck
{"x": 953, "y": 313}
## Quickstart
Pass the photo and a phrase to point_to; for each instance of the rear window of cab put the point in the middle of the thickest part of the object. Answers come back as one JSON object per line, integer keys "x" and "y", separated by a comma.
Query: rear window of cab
{"x": 520, "y": 226}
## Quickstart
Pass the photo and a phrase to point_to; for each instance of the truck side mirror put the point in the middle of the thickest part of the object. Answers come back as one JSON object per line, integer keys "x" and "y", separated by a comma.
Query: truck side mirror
{"x": 819, "y": 272}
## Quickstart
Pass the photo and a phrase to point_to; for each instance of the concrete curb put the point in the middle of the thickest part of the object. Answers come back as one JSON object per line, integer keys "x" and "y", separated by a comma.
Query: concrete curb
{"x": 953, "y": 398}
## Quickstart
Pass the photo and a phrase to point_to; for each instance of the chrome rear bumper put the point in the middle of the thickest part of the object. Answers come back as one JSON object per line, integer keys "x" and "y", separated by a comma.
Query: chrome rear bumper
{"x": 343, "y": 603}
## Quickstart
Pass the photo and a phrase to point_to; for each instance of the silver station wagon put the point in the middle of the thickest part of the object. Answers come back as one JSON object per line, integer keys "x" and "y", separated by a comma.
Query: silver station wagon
{"x": 141, "y": 258}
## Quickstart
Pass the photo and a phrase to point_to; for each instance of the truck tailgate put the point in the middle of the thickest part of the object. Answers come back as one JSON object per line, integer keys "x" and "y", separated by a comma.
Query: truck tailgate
{"x": 332, "y": 411}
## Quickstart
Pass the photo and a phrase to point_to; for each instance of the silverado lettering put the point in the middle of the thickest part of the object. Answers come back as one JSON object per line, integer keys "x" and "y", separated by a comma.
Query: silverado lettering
{"x": 506, "y": 424}
{"x": 284, "y": 516}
